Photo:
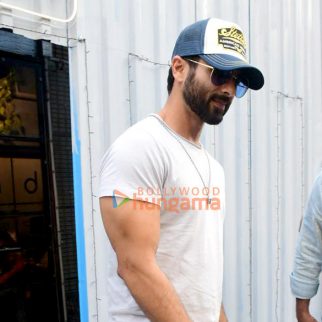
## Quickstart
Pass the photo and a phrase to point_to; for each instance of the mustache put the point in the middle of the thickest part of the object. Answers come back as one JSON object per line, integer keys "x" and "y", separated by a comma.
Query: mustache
{"x": 225, "y": 99}
{"x": 220, "y": 97}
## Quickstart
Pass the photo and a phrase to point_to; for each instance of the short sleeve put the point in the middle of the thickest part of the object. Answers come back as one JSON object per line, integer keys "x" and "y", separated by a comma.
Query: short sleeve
{"x": 133, "y": 167}
{"x": 308, "y": 257}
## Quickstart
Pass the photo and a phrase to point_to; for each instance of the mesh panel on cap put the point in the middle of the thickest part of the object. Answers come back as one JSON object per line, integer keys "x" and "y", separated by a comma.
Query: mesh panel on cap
{"x": 191, "y": 40}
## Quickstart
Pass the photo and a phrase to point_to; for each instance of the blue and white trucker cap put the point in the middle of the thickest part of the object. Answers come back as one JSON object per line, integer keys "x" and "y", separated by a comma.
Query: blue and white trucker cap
{"x": 222, "y": 45}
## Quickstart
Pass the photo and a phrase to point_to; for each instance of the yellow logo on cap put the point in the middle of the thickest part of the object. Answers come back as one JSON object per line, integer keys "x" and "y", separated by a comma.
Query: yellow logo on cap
{"x": 233, "y": 39}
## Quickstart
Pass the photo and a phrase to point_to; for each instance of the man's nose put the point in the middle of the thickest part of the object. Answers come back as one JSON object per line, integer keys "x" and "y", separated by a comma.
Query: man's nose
{"x": 228, "y": 88}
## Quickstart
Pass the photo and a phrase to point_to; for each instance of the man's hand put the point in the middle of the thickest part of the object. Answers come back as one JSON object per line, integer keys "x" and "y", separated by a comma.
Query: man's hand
{"x": 302, "y": 311}
{"x": 307, "y": 318}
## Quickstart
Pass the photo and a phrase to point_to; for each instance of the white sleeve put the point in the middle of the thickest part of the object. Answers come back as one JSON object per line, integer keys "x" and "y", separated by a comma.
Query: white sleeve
{"x": 134, "y": 168}
{"x": 308, "y": 257}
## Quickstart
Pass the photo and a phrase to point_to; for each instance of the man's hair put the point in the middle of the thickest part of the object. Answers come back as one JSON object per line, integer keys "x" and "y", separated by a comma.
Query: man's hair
{"x": 170, "y": 75}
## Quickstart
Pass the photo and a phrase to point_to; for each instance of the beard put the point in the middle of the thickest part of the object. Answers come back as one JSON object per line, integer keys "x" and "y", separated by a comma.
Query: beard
{"x": 199, "y": 100}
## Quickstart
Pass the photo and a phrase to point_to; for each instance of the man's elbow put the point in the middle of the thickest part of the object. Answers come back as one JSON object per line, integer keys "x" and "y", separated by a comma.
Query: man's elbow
{"x": 125, "y": 267}
{"x": 132, "y": 267}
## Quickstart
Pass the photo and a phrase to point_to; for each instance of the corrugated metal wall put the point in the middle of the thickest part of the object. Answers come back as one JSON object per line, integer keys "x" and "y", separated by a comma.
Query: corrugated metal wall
{"x": 269, "y": 143}
{"x": 12, "y": 15}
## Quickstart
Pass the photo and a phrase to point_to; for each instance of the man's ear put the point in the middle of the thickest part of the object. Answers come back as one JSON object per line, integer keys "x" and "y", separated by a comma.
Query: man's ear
{"x": 179, "y": 69}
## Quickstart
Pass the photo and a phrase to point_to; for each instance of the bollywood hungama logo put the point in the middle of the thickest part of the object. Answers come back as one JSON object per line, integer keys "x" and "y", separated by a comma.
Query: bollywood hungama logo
{"x": 173, "y": 199}
{"x": 118, "y": 194}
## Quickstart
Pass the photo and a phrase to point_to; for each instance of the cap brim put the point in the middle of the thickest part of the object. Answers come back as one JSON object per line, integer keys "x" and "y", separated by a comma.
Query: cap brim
{"x": 253, "y": 75}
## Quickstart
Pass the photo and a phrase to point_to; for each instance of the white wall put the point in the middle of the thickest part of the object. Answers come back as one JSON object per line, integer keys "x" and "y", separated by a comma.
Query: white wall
{"x": 269, "y": 142}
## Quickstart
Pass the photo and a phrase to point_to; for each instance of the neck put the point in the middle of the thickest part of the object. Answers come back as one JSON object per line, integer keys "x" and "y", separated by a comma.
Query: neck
{"x": 180, "y": 118}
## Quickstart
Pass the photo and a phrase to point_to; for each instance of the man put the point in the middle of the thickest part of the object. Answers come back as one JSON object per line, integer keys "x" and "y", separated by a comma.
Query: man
{"x": 308, "y": 257}
{"x": 167, "y": 231}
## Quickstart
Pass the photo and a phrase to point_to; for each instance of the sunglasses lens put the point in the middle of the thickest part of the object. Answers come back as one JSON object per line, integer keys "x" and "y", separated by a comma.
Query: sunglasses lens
{"x": 241, "y": 89}
{"x": 219, "y": 78}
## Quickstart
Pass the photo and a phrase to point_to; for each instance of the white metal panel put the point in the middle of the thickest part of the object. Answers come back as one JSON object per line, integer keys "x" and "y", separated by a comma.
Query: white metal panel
{"x": 36, "y": 27}
{"x": 267, "y": 145}
{"x": 281, "y": 169}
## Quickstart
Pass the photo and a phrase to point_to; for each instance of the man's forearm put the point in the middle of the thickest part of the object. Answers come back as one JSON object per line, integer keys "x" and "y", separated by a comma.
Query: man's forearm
{"x": 303, "y": 312}
{"x": 154, "y": 294}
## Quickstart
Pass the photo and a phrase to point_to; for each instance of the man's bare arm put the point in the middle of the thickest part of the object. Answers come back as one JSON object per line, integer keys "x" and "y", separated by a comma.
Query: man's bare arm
{"x": 134, "y": 231}
{"x": 302, "y": 311}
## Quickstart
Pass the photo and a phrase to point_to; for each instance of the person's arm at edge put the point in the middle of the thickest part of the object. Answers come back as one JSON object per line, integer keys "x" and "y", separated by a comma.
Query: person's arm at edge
{"x": 302, "y": 311}
{"x": 134, "y": 231}
{"x": 307, "y": 267}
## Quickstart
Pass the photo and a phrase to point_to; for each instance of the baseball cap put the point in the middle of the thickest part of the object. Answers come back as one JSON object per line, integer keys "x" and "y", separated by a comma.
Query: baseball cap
{"x": 222, "y": 45}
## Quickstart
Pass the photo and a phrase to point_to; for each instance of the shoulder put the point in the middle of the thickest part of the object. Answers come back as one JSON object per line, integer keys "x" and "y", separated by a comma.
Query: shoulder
{"x": 314, "y": 204}
{"x": 139, "y": 150}
{"x": 143, "y": 135}
{"x": 318, "y": 180}
{"x": 136, "y": 159}
{"x": 316, "y": 192}
{"x": 141, "y": 140}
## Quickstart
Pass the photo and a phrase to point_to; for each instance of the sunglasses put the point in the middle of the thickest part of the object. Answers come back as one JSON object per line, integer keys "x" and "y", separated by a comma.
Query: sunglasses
{"x": 220, "y": 77}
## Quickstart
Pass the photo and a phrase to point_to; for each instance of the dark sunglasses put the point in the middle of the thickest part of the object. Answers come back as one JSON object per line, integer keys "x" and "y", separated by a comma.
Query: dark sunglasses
{"x": 220, "y": 77}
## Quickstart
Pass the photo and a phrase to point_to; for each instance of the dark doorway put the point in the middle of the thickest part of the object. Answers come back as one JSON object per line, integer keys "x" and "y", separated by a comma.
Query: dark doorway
{"x": 38, "y": 273}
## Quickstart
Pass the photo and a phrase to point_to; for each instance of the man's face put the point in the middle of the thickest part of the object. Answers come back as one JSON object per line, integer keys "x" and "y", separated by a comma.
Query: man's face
{"x": 205, "y": 99}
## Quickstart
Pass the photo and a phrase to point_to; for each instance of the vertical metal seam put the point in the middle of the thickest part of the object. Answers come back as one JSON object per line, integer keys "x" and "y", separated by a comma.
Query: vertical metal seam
{"x": 129, "y": 82}
{"x": 83, "y": 41}
{"x": 278, "y": 194}
{"x": 250, "y": 188}
{"x": 129, "y": 66}
{"x": 67, "y": 25}
{"x": 302, "y": 157}
{"x": 79, "y": 210}
{"x": 90, "y": 133}
{"x": 278, "y": 161}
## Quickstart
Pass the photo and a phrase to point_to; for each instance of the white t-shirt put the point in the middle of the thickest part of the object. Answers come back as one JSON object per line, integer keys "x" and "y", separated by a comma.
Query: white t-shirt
{"x": 148, "y": 163}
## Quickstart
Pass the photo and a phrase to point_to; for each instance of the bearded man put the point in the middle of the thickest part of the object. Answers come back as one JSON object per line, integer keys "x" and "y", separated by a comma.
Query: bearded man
{"x": 162, "y": 195}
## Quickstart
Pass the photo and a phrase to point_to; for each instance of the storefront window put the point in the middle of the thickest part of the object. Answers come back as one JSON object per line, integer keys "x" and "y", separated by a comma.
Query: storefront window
{"x": 18, "y": 107}
{"x": 21, "y": 187}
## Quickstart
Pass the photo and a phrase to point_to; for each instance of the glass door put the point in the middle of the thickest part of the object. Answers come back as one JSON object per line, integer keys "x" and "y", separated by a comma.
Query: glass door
{"x": 28, "y": 278}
